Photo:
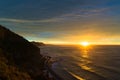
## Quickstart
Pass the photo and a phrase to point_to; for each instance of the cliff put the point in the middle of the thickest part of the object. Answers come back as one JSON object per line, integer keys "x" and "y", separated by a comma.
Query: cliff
{"x": 21, "y": 54}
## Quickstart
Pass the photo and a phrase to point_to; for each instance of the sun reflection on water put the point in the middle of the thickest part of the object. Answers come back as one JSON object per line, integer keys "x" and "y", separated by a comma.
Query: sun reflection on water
{"x": 85, "y": 53}
{"x": 78, "y": 77}
{"x": 85, "y": 60}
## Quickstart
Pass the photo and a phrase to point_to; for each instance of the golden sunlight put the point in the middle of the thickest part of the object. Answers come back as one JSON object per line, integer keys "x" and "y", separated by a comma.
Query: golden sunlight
{"x": 85, "y": 44}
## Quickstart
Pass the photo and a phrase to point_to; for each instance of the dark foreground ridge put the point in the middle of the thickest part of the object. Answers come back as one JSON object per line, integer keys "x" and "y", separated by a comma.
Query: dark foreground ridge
{"x": 19, "y": 59}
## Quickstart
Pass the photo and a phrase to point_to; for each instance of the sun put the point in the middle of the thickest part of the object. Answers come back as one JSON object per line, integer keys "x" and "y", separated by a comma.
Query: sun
{"x": 85, "y": 44}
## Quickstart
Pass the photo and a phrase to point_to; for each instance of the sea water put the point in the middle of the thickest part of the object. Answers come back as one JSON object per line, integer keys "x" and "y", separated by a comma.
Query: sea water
{"x": 85, "y": 63}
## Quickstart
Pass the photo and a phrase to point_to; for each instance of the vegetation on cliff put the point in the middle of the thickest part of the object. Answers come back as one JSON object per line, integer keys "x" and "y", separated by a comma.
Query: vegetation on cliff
{"x": 8, "y": 71}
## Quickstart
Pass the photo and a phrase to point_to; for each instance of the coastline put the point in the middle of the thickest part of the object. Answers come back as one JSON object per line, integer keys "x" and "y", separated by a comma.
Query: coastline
{"x": 61, "y": 73}
{"x": 49, "y": 69}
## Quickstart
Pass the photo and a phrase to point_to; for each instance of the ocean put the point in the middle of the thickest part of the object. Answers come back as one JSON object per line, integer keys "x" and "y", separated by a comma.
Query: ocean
{"x": 85, "y": 63}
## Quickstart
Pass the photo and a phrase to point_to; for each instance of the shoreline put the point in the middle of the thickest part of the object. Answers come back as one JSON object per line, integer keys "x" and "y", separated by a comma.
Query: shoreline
{"x": 54, "y": 71}
{"x": 50, "y": 73}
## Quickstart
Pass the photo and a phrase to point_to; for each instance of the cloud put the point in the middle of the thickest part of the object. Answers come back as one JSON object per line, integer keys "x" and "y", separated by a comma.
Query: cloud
{"x": 29, "y": 21}
{"x": 77, "y": 13}
{"x": 42, "y": 9}
{"x": 59, "y": 19}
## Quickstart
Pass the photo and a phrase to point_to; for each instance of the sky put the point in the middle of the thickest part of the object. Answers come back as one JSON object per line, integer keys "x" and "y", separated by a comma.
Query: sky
{"x": 63, "y": 21}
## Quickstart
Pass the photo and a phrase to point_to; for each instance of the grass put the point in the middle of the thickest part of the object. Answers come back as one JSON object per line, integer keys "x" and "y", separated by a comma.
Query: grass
{"x": 9, "y": 71}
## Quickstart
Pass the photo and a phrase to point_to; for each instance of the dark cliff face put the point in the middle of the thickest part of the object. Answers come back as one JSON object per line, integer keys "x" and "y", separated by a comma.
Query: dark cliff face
{"x": 21, "y": 52}
{"x": 14, "y": 43}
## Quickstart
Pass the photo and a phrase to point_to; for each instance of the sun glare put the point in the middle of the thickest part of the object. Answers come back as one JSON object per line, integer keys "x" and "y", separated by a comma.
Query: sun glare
{"x": 84, "y": 43}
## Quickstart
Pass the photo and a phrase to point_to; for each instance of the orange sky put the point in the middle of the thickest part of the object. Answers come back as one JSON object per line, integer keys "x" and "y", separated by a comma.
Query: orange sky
{"x": 63, "y": 21}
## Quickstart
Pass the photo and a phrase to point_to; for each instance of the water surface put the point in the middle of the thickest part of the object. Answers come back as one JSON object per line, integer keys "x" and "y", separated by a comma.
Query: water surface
{"x": 85, "y": 63}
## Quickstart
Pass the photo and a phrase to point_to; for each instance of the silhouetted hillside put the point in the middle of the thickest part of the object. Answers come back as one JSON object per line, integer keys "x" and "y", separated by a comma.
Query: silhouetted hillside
{"x": 21, "y": 54}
